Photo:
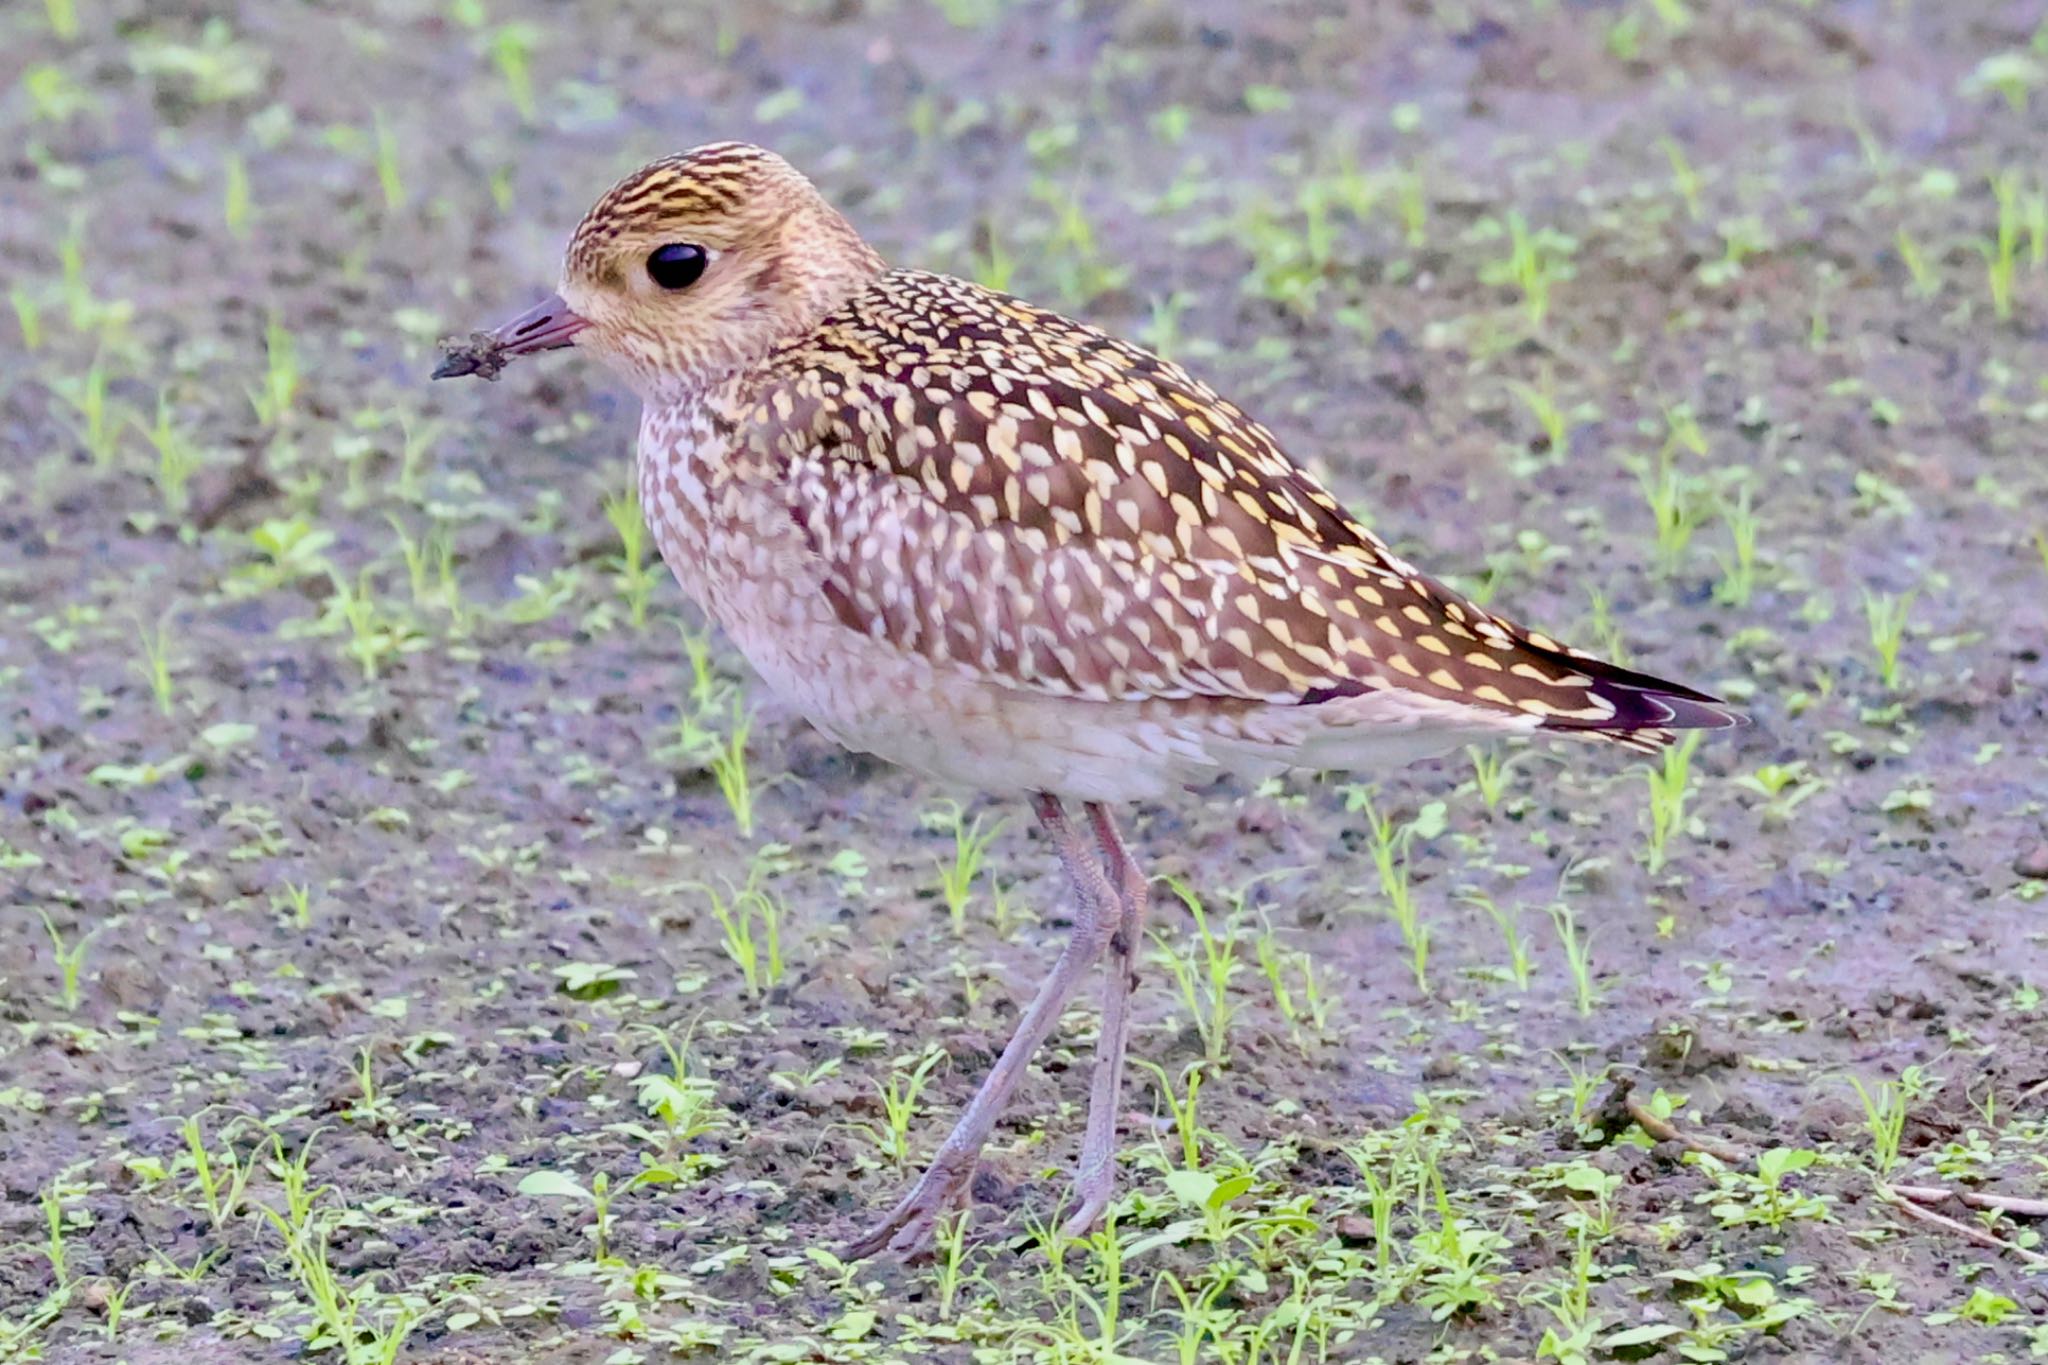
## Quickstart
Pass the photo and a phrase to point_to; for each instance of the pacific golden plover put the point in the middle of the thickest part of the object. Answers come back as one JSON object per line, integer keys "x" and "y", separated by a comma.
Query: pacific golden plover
{"x": 1004, "y": 549}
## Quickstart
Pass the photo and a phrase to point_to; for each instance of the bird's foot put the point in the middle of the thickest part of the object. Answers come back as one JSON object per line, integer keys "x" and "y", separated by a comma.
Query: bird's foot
{"x": 912, "y": 1226}
{"x": 1093, "y": 1189}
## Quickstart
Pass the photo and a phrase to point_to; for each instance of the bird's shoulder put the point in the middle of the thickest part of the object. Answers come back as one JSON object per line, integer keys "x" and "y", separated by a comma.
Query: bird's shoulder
{"x": 1016, "y": 415}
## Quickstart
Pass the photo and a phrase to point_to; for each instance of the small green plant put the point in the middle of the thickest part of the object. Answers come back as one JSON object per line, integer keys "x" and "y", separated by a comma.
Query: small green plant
{"x": 1541, "y": 401}
{"x": 1302, "y": 1005}
{"x": 296, "y": 900}
{"x": 1886, "y": 615}
{"x": 1784, "y": 787}
{"x": 598, "y": 1194}
{"x": 511, "y": 48}
{"x": 176, "y": 460}
{"x": 1763, "y": 1198}
{"x": 752, "y": 923}
{"x": 234, "y": 195}
{"x": 1738, "y": 571}
{"x": 1537, "y": 260}
{"x": 1885, "y": 1107}
{"x": 728, "y": 764}
{"x": 272, "y": 399}
{"x": 635, "y": 574}
{"x": 899, "y": 1095}
{"x": 1507, "y": 923}
{"x": 220, "y": 1181}
{"x": 1490, "y": 770}
{"x": 70, "y": 958}
{"x": 1670, "y": 784}
{"x": 1390, "y": 845}
{"x": 1676, "y": 506}
{"x": 970, "y": 850}
{"x": 2001, "y": 252}
{"x": 1578, "y": 953}
{"x": 390, "y": 179}
{"x": 155, "y": 666}
{"x": 1456, "y": 1262}
{"x": 1203, "y": 976}
{"x": 1684, "y": 178}
{"x": 1926, "y": 282}
{"x": 94, "y": 415}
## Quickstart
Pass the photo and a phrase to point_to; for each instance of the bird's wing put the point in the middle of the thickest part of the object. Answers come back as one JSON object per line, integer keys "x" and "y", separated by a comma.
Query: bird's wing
{"x": 1017, "y": 496}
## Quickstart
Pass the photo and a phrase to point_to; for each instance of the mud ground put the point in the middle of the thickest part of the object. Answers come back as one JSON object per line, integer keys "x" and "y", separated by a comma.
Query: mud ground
{"x": 393, "y": 841}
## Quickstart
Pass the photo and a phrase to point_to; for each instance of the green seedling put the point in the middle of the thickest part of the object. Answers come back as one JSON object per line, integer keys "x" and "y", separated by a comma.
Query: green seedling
{"x": 1784, "y": 787}
{"x": 685, "y": 1102}
{"x": 28, "y": 318}
{"x": 1886, "y": 615}
{"x": 176, "y": 460}
{"x": 599, "y": 1195}
{"x": 1390, "y": 845}
{"x": 2012, "y": 75}
{"x": 752, "y": 923}
{"x": 70, "y": 960}
{"x": 1684, "y": 178}
{"x": 220, "y": 1182}
{"x": 155, "y": 666}
{"x": 1304, "y": 1006}
{"x": 1926, "y": 282}
{"x": 1578, "y": 954}
{"x": 970, "y": 850}
{"x": 1676, "y": 506}
{"x": 273, "y": 398}
{"x": 390, "y": 179}
{"x": 1490, "y": 770}
{"x": 1541, "y": 401}
{"x": 1204, "y": 975}
{"x": 728, "y": 764}
{"x": 1670, "y": 784}
{"x": 52, "y": 1200}
{"x": 1738, "y": 570}
{"x": 94, "y": 417}
{"x": 234, "y": 195}
{"x": 341, "y": 1322}
{"x": 1537, "y": 260}
{"x": 1411, "y": 206}
{"x": 2001, "y": 251}
{"x": 511, "y": 48}
{"x": 1885, "y": 1107}
{"x": 1508, "y": 924}
{"x": 296, "y": 900}
{"x": 899, "y": 1095}
{"x": 636, "y": 577}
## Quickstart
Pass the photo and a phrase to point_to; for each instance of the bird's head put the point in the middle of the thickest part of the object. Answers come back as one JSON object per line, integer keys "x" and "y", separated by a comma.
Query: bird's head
{"x": 689, "y": 269}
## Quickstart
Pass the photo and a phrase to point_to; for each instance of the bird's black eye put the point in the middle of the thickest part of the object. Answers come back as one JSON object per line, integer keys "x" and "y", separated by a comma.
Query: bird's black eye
{"x": 677, "y": 265}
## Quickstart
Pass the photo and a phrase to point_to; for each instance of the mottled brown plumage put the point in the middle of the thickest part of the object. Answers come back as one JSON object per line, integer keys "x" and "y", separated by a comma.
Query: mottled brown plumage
{"x": 1005, "y": 549}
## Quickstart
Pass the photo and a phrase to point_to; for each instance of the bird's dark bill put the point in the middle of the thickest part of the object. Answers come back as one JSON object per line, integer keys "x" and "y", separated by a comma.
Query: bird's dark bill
{"x": 547, "y": 326}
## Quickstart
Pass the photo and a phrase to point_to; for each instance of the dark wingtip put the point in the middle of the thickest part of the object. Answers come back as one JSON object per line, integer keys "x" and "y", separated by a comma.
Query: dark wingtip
{"x": 454, "y": 366}
{"x": 1644, "y": 702}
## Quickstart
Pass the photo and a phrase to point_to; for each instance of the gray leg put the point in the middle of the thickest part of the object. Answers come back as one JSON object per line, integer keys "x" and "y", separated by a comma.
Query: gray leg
{"x": 910, "y": 1226}
{"x": 1095, "y": 1178}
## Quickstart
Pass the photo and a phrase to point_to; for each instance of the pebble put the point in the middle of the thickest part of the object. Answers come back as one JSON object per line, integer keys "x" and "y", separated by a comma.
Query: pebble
{"x": 2033, "y": 863}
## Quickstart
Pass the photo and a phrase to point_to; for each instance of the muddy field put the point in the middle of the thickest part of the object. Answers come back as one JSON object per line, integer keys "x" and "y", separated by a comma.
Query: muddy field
{"x": 420, "y": 941}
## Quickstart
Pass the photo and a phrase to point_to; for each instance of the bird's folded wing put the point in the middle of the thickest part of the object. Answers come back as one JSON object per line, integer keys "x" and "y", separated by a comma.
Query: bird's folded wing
{"x": 1019, "y": 497}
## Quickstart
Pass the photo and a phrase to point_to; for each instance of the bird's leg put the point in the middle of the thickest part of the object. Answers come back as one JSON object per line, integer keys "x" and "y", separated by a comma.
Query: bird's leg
{"x": 909, "y": 1227}
{"x": 1095, "y": 1177}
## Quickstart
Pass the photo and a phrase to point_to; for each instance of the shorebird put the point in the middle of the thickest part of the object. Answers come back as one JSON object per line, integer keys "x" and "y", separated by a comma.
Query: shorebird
{"x": 1013, "y": 553}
